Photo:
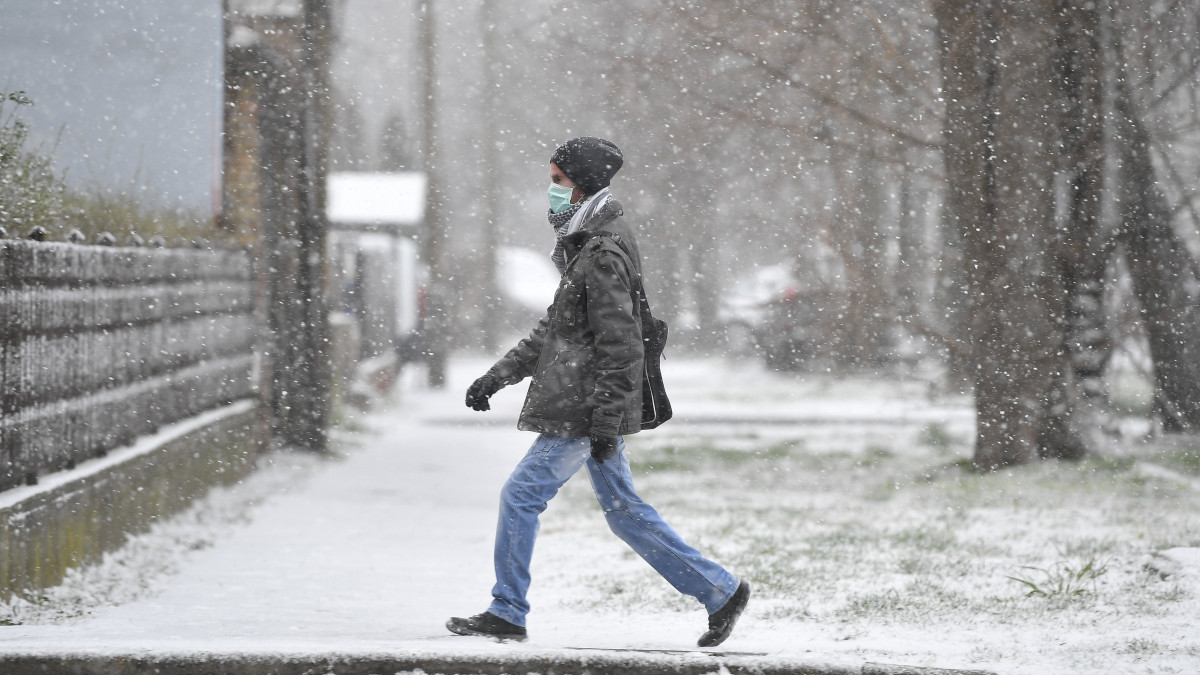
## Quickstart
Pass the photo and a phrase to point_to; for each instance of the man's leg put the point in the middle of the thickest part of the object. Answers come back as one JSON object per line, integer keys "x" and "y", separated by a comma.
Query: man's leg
{"x": 533, "y": 483}
{"x": 640, "y": 526}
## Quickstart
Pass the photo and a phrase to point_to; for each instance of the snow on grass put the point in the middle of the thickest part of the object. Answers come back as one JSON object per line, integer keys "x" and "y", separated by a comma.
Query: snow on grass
{"x": 875, "y": 539}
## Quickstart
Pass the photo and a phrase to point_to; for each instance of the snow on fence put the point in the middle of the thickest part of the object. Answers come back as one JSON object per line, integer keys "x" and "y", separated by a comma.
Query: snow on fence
{"x": 103, "y": 344}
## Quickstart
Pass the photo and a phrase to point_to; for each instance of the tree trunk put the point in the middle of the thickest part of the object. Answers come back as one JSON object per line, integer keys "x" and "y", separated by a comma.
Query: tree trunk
{"x": 913, "y": 269}
{"x": 1000, "y": 159}
{"x": 864, "y": 310}
{"x": 951, "y": 295}
{"x": 1162, "y": 270}
{"x": 876, "y": 313}
{"x": 1081, "y": 246}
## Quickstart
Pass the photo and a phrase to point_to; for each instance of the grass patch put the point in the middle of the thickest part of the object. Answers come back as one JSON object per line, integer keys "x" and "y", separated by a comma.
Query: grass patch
{"x": 1143, "y": 646}
{"x": 846, "y": 531}
{"x": 669, "y": 458}
{"x": 936, "y": 436}
{"x": 1061, "y": 580}
{"x": 888, "y": 603}
{"x": 1185, "y": 460}
{"x": 923, "y": 538}
{"x": 1108, "y": 464}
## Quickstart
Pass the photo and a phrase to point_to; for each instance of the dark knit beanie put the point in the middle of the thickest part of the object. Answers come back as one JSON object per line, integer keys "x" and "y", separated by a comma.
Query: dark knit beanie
{"x": 589, "y": 162}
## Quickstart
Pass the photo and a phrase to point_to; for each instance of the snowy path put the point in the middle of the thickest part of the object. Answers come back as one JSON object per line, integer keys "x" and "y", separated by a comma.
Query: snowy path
{"x": 366, "y": 554}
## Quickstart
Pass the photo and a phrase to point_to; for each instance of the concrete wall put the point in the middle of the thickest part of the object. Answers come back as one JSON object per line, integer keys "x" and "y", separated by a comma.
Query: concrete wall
{"x": 73, "y": 517}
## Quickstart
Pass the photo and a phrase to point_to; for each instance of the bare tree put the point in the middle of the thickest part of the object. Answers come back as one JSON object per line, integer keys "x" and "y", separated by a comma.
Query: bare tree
{"x": 1165, "y": 278}
{"x": 775, "y": 116}
{"x": 1037, "y": 330}
{"x": 1000, "y": 160}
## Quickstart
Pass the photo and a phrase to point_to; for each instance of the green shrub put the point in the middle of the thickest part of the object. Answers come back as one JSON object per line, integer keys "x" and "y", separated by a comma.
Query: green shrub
{"x": 31, "y": 192}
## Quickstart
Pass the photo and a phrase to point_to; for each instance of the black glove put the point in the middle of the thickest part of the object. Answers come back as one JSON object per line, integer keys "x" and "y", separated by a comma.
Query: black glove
{"x": 603, "y": 448}
{"x": 481, "y": 390}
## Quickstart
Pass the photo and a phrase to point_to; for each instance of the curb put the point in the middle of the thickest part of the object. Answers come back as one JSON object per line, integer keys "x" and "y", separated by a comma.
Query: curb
{"x": 601, "y": 662}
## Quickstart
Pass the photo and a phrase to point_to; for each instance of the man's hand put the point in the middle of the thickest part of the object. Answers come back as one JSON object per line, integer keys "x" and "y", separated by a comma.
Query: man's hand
{"x": 481, "y": 390}
{"x": 603, "y": 448}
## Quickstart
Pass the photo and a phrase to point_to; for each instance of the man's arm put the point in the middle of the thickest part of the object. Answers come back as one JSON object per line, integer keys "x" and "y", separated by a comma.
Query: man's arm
{"x": 618, "y": 357}
{"x": 515, "y": 366}
{"x": 520, "y": 361}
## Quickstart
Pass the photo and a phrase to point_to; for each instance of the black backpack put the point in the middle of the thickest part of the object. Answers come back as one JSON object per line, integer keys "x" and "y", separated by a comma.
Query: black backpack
{"x": 656, "y": 407}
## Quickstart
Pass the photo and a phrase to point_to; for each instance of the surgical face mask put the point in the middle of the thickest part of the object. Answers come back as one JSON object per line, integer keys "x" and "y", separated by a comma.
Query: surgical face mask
{"x": 560, "y": 197}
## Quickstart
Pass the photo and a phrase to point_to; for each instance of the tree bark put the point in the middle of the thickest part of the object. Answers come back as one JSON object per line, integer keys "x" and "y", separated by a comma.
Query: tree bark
{"x": 1000, "y": 160}
{"x": 1082, "y": 248}
{"x": 864, "y": 308}
{"x": 1162, "y": 270}
{"x": 875, "y": 308}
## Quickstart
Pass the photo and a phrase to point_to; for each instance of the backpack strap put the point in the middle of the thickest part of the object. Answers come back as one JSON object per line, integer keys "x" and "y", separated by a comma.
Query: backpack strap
{"x": 636, "y": 274}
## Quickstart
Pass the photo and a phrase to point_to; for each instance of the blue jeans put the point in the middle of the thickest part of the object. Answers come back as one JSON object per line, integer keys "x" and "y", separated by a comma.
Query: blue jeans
{"x": 534, "y": 482}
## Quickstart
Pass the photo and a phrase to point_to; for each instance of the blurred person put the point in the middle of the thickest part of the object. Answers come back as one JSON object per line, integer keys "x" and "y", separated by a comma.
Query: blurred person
{"x": 585, "y": 358}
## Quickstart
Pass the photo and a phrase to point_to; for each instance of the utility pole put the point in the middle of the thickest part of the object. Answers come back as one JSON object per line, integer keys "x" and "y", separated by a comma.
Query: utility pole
{"x": 307, "y": 427}
{"x": 491, "y": 180}
{"x": 435, "y": 330}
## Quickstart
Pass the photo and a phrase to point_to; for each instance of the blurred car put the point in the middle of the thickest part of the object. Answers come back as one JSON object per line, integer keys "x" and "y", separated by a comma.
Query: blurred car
{"x": 744, "y": 306}
{"x": 766, "y": 315}
{"x": 785, "y": 334}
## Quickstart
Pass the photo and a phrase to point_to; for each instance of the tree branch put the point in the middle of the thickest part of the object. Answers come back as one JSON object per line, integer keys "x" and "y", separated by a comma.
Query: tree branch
{"x": 781, "y": 76}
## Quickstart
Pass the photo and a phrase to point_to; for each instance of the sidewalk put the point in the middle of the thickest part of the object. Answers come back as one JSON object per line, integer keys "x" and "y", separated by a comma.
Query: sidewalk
{"x": 353, "y": 565}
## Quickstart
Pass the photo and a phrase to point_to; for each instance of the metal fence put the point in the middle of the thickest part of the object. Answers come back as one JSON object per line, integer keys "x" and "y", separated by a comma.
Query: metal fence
{"x": 102, "y": 344}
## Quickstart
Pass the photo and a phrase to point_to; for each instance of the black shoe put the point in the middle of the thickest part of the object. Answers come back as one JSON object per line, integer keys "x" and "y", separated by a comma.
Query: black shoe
{"x": 487, "y": 625}
{"x": 721, "y": 622}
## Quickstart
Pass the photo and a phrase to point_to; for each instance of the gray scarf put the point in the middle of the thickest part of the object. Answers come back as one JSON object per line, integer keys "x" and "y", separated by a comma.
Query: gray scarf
{"x": 572, "y": 220}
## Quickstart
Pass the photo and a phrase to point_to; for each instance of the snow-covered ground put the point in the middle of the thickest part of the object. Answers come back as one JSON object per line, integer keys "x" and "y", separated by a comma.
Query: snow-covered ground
{"x": 844, "y": 501}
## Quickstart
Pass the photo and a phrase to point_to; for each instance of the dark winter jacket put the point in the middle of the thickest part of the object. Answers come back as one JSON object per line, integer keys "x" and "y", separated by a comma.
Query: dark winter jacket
{"x": 585, "y": 355}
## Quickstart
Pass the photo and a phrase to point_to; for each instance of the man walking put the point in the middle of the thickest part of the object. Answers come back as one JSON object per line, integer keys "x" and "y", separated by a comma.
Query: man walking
{"x": 585, "y": 358}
